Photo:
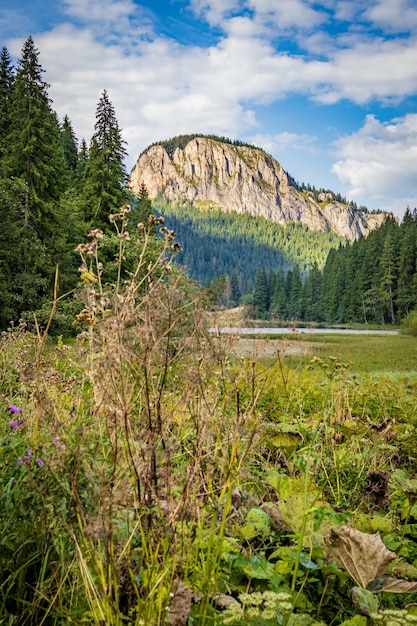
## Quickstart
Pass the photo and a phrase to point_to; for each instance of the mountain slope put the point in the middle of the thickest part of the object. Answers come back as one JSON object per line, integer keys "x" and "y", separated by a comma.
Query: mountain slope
{"x": 210, "y": 172}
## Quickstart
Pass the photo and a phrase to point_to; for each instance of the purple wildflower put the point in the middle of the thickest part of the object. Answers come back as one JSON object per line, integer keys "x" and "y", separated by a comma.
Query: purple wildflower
{"x": 20, "y": 462}
{"x": 13, "y": 409}
{"x": 40, "y": 462}
{"x": 14, "y": 424}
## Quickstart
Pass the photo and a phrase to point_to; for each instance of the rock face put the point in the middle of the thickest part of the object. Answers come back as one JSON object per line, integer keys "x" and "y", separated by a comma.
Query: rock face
{"x": 245, "y": 180}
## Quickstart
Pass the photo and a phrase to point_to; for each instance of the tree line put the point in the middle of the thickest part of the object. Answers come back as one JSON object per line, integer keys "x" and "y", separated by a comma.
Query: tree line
{"x": 53, "y": 188}
{"x": 372, "y": 280}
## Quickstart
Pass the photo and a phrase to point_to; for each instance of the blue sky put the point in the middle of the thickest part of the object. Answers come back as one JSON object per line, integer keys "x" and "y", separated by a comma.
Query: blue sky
{"x": 328, "y": 87}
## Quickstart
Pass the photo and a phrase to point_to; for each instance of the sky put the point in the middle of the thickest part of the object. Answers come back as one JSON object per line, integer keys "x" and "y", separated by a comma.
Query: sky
{"x": 327, "y": 87}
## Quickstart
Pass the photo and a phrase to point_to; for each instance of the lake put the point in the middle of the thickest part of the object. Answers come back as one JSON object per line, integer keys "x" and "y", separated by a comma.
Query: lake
{"x": 297, "y": 331}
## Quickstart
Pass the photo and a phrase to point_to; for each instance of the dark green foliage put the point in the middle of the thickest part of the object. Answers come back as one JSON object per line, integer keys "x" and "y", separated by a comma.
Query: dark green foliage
{"x": 69, "y": 142}
{"x": 235, "y": 294}
{"x": 141, "y": 206}
{"x": 373, "y": 279}
{"x": 215, "y": 243}
{"x": 48, "y": 191}
{"x": 261, "y": 294}
{"x": 6, "y": 84}
{"x": 105, "y": 174}
{"x": 33, "y": 166}
{"x": 34, "y": 150}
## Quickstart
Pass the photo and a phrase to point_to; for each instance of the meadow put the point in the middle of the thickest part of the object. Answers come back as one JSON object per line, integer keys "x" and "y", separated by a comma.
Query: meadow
{"x": 150, "y": 477}
{"x": 379, "y": 355}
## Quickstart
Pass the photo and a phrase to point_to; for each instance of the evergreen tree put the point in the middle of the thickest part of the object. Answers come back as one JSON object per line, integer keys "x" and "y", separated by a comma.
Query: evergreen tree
{"x": 69, "y": 142}
{"x": 34, "y": 165}
{"x": 235, "y": 289}
{"x": 261, "y": 294}
{"x": 312, "y": 296}
{"x": 279, "y": 297}
{"x": 389, "y": 277}
{"x": 6, "y": 85}
{"x": 295, "y": 294}
{"x": 82, "y": 160}
{"x": 142, "y": 206}
{"x": 105, "y": 184}
{"x": 34, "y": 152}
{"x": 406, "y": 298}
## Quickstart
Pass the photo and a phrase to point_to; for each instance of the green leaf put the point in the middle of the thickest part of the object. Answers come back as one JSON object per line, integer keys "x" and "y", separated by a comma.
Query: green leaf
{"x": 305, "y": 562}
{"x": 364, "y": 601}
{"x": 358, "y": 620}
{"x": 257, "y": 524}
{"x": 259, "y": 568}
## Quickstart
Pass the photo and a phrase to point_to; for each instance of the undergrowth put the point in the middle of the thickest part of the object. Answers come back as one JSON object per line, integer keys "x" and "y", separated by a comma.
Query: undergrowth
{"x": 148, "y": 477}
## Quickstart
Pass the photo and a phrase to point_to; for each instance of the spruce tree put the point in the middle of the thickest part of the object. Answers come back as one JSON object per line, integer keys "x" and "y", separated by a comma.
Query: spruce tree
{"x": 235, "y": 289}
{"x": 6, "y": 85}
{"x": 34, "y": 163}
{"x": 406, "y": 298}
{"x": 279, "y": 297}
{"x": 69, "y": 143}
{"x": 105, "y": 184}
{"x": 142, "y": 206}
{"x": 34, "y": 151}
{"x": 261, "y": 294}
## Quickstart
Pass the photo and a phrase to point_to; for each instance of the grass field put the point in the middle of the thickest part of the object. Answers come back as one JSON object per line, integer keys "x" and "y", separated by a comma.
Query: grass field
{"x": 372, "y": 354}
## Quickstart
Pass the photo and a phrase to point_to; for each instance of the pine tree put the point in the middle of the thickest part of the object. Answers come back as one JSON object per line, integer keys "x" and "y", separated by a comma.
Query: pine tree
{"x": 105, "y": 184}
{"x": 261, "y": 294}
{"x": 69, "y": 142}
{"x": 34, "y": 152}
{"x": 295, "y": 298}
{"x": 389, "y": 263}
{"x": 6, "y": 85}
{"x": 406, "y": 293}
{"x": 279, "y": 297}
{"x": 235, "y": 289}
{"x": 82, "y": 160}
{"x": 34, "y": 165}
{"x": 143, "y": 206}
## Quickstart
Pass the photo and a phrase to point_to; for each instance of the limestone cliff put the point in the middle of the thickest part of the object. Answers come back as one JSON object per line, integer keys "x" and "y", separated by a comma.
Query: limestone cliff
{"x": 243, "y": 179}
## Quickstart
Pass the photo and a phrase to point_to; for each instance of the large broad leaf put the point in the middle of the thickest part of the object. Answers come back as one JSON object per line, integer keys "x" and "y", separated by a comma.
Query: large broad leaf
{"x": 363, "y": 556}
{"x": 396, "y": 585}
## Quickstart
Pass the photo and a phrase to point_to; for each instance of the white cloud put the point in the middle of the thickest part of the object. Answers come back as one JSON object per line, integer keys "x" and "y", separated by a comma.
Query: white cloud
{"x": 382, "y": 69}
{"x": 287, "y": 14}
{"x": 276, "y": 144}
{"x": 215, "y": 11}
{"x": 393, "y": 17}
{"x": 380, "y": 160}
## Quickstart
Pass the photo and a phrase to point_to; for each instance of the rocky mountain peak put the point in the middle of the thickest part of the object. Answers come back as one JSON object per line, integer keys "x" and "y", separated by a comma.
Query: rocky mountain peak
{"x": 214, "y": 173}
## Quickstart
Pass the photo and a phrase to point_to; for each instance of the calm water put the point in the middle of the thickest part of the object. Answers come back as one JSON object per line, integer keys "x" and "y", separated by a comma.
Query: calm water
{"x": 298, "y": 331}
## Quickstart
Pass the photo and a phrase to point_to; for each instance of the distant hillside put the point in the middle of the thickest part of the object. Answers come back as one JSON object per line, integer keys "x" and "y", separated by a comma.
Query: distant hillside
{"x": 236, "y": 177}
{"x": 216, "y": 243}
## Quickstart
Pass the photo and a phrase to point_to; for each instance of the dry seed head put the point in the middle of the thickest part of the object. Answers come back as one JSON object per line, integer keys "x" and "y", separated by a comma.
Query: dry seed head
{"x": 96, "y": 233}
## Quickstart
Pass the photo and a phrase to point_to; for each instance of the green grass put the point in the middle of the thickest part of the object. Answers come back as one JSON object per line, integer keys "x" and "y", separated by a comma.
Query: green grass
{"x": 373, "y": 354}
